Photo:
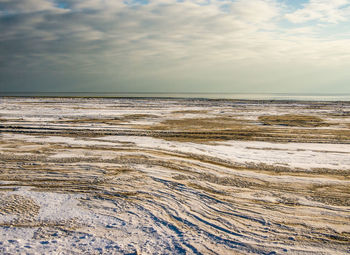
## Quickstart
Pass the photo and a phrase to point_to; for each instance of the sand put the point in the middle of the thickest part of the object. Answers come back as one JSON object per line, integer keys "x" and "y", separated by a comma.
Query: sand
{"x": 173, "y": 176}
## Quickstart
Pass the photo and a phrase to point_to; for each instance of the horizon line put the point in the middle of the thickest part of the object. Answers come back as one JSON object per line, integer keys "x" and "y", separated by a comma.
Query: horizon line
{"x": 112, "y": 92}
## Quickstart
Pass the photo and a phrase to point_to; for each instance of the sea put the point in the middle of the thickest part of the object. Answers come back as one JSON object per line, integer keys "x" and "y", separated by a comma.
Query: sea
{"x": 238, "y": 96}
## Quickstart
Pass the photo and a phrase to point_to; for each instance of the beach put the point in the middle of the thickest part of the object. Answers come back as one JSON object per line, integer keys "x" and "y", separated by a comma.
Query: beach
{"x": 174, "y": 176}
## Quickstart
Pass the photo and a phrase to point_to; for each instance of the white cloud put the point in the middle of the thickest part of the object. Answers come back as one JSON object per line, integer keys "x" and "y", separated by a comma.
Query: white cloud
{"x": 255, "y": 11}
{"x": 333, "y": 11}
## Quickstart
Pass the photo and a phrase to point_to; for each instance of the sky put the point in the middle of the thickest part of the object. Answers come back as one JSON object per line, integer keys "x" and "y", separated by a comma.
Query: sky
{"x": 208, "y": 46}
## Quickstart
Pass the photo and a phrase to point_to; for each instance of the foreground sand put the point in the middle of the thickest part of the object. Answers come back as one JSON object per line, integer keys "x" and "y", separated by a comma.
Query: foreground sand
{"x": 152, "y": 176}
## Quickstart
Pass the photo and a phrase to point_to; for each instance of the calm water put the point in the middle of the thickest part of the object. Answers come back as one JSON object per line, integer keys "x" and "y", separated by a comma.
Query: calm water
{"x": 247, "y": 96}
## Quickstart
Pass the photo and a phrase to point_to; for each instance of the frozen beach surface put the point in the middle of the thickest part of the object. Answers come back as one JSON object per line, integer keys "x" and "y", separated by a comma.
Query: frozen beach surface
{"x": 173, "y": 176}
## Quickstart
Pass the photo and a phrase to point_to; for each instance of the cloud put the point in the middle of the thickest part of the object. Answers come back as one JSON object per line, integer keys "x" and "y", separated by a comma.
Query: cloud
{"x": 27, "y": 6}
{"x": 334, "y": 11}
{"x": 161, "y": 41}
{"x": 255, "y": 11}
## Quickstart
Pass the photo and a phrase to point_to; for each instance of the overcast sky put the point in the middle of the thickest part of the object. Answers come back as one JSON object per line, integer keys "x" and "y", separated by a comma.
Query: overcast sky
{"x": 292, "y": 46}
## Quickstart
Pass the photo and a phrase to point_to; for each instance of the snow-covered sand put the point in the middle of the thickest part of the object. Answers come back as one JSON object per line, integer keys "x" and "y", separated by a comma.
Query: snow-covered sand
{"x": 125, "y": 176}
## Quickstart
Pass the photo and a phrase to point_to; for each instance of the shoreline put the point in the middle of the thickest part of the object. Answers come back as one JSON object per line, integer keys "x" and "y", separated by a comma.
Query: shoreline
{"x": 234, "y": 100}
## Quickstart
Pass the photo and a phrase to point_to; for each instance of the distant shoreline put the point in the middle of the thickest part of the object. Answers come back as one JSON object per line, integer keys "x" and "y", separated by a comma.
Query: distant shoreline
{"x": 262, "y": 97}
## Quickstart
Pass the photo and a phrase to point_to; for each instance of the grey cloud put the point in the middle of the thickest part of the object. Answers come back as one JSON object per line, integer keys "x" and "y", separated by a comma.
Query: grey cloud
{"x": 163, "y": 42}
{"x": 27, "y": 6}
